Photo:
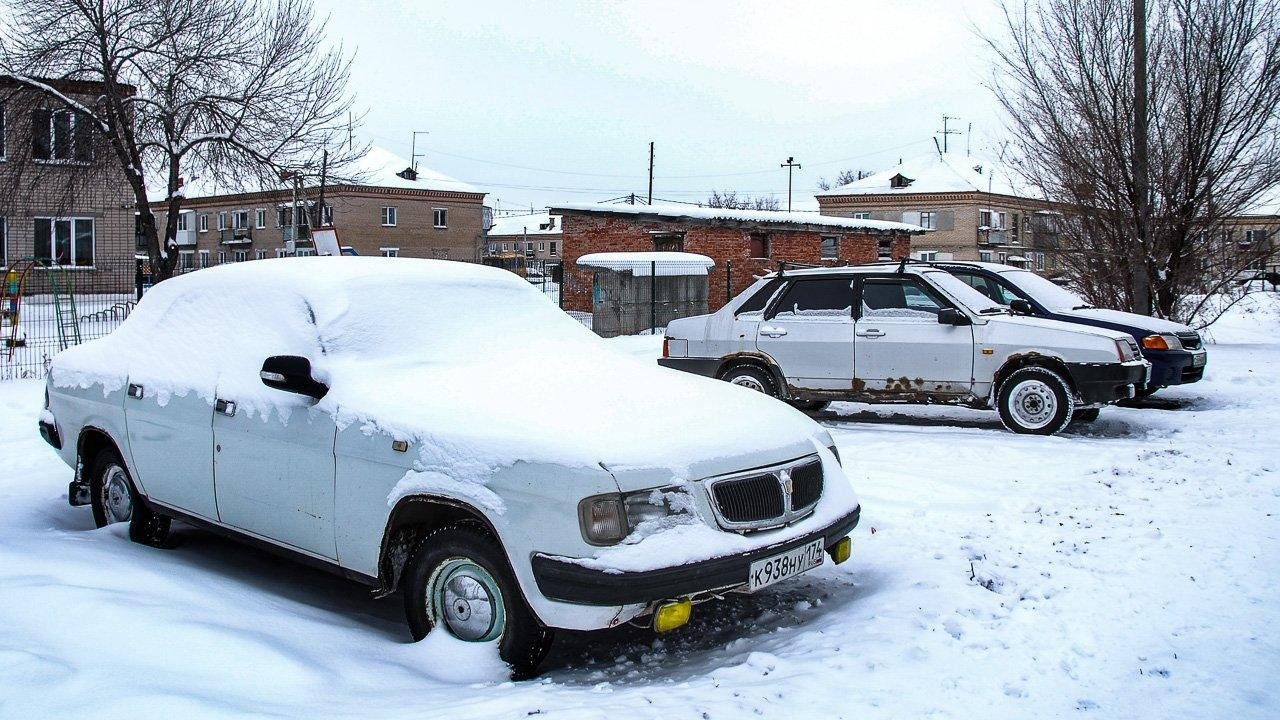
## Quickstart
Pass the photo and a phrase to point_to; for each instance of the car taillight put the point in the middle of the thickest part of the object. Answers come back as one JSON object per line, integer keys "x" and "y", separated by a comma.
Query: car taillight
{"x": 666, "y": 346}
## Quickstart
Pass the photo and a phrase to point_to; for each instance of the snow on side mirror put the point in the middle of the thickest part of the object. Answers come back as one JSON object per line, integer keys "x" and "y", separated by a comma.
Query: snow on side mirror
{"x": 952, "y": 316}
{"x": 291, "y": 373}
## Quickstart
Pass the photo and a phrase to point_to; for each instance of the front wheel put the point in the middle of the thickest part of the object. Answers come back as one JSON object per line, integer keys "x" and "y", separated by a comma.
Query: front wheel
{"x": 115, "y": 499}
{"x": 1035, "y": 401}
{"x": 459, "y": 579}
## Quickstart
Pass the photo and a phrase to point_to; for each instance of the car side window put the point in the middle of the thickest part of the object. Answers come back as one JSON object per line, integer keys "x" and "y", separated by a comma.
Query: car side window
{"x": 816, "y": 298}
{"x": 756, "y": 302}
{"x": 899, "y": 299}
{"x": 991, "y": 288}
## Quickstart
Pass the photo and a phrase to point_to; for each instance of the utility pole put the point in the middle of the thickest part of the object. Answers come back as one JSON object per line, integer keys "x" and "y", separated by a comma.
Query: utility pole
{"x": 1140, "y": 287}
{"x": 650, "y": 172}
{"x": 324, "y": 172}
{"x": 946, "y": 131}
{"x": 790, "y": 165}
{"x": 413, "y": 149}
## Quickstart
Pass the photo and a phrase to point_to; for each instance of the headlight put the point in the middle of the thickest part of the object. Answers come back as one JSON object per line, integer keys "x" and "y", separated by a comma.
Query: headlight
{"x": 1161, "y": 342}
{"x": 607, "y": 519}
{"x": 1128, "y": 349}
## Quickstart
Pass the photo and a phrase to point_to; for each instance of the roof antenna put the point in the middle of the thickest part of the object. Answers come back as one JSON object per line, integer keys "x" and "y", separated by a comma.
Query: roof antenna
{"x": 968, "y": 140}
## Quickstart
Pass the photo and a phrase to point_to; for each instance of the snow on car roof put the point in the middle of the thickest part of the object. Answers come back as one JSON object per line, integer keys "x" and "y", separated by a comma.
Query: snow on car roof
{"x": 692, "y": 212}
{"x": 422, "y": 350}
{"x": 643, "y": 263}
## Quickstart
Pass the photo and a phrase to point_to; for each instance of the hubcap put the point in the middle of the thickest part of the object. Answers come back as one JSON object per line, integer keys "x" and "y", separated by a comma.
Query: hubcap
{"x": 1033, "y": 403}
{"x": 117, "y": 501}
{"x": 747, "y": 381}
{"x": 466, "y": 598}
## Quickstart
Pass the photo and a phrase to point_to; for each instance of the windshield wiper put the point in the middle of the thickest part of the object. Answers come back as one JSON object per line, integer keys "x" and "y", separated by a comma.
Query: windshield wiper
{"x": 992, "y": 311}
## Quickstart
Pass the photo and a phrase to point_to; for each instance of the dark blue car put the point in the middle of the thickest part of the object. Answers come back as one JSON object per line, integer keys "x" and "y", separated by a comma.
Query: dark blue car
{"x": 1175, "y": 351}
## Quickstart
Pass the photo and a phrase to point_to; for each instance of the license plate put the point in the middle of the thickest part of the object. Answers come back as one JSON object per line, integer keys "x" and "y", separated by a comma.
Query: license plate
{"x": 779, "y": 567}
{"x": 1198, "y": 359}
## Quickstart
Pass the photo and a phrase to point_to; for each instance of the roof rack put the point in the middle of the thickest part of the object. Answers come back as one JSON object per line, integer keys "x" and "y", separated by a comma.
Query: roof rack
{"x": 782, "y": 266}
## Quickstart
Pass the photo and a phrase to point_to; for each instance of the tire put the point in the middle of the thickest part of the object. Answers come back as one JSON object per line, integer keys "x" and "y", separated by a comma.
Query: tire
{"x": 1035, "y": 400}
{"x": 467, "y": 554}
{"x": 811, "y": 406}
{"x": 1087, "y": 415}
{"x": 753, "y": 377}
{"x": 115, "y": 499}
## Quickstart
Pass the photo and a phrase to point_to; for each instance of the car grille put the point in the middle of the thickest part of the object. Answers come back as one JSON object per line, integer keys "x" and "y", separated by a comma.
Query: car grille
{"x": 1190, "y": 341}
{"x": 767, "y": 498}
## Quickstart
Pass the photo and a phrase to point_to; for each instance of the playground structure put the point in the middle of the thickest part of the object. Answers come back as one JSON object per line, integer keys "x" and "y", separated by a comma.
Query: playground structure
{"x": 39, "y": 316}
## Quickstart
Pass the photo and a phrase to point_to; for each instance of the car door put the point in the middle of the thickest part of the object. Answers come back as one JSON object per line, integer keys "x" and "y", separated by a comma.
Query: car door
{"x": 274, "y": 471}
{"x": 899, "y": 345}
{"x": 171, "y": 444}
{"x": 808, "y": 331}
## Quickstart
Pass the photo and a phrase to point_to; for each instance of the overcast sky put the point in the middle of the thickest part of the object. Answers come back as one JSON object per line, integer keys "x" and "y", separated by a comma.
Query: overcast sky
{"x": 572, "y": 92}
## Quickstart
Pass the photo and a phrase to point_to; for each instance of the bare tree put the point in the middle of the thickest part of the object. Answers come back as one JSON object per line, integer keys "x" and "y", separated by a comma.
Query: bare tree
{"x": 844, "y": 177}
{"x": 730, "y": 199}
{"x": 1065, "y": 75}
{"x": 235, "y": 93}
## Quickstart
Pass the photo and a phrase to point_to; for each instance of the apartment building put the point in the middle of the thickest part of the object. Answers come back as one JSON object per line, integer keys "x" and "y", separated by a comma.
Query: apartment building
{"x": 390, "y": 209}
{"x": 516, "y": 241}
{"x": 970, "y": 208}
{"x": 64, "y": 200}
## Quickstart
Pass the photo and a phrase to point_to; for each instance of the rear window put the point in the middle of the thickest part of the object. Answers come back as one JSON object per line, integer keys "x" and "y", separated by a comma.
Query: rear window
{"x": 819, "y": 297}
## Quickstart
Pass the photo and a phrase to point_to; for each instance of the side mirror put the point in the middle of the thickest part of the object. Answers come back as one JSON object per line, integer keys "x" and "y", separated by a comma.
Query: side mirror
{"x": 952, "y": 316}
{"x": 292, "y": 374}
{"x": 1021, "y": 307}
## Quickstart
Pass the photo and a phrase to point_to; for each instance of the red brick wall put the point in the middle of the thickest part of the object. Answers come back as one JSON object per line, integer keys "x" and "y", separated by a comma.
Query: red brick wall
{"x": 721, "y": 241}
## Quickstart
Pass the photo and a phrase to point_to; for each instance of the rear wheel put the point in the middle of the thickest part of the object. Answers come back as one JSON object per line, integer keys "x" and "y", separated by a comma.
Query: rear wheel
{"x": 1035, "y": 401}
{"x": 115, "y": 500}
{"x": 459, "y": 579}
{"x": 753, "y": 377}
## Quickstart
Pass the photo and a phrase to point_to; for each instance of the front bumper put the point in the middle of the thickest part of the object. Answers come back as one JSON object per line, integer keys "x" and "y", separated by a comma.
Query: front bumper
{"x": 49, "y": 431}
{"x": 561, "y": 579}
{"x": 1175, "y": 367}
{"x": 1101, "y": 383}
{"x": 707, "y": 367}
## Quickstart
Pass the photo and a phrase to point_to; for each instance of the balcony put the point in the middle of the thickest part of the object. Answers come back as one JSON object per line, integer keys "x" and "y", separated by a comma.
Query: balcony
{"x": 303, "y": 233}
{"x": 185, "y": 238}
{"x": 235, "y": 236}
{"x": 993, "y": 237}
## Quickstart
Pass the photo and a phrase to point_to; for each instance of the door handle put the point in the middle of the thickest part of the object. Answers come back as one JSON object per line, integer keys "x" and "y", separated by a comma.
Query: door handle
{"x": 136, "y": 391}
{"x": 870, "y": 333}
{"x": 225, "y": 407}
{"x": 773, "y": 331}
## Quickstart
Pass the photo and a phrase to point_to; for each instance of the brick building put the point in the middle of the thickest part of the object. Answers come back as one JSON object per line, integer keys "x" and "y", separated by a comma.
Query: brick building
{"x": 63, "y": 198}
{"x": 514, "y": 240}
{"x": 390, "y": 209}
{"x": 970, "y": 208}
{"x": 743, "y": 243}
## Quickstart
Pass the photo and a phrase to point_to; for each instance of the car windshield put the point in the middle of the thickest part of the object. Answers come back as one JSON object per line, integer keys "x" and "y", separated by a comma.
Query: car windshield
{"x": 1045, "y": 292}
{"x": 964, "y": 293}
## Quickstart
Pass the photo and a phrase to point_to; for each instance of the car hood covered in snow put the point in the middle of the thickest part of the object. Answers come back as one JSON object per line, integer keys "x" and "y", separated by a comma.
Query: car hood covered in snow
{"x": 469, "y": 362}
{"x": 1118, "y": 319}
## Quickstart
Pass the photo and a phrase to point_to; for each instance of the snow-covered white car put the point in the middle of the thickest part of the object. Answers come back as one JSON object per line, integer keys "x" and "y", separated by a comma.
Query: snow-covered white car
{"x": 905, "y": 333}
{"x": 356, "y": 413}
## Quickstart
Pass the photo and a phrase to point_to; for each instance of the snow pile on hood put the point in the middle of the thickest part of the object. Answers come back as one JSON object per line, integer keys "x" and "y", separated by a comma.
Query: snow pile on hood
{"x": 430, "y": 351}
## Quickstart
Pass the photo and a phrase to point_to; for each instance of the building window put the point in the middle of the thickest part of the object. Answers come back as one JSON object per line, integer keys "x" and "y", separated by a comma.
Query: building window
{"x": 388, "y": 216}
{"x": 928, "y": 255}
{"x": 183, "y": 224}
{"x": 204, "y": 258}
{"x": 984, "y": 255}
{"x": 1040, "y": 261}
{"x": 504, "y": 247}
{"x": 260, "y": 255}
{"x": 929, "y": 220}
{"x": 830, "y": 247}
{"x": 553, "y": 248}
{"x": 187, "y": 260}
{"x": 327, "y": 215}
{"x": 668, "y": 242}
{"x": 204, "y": 222}
{"x": 1000, "y": 221}
{"x": 389, "y": 252}
{"x": 759, "y": 245}
{"x": 1003, "y": 258}
{"x": 884, "y": 249}
{"x": 222, "y": 256}
{"x": 61, "y": 136}
{"x": 306, "y": 252}
{"x": 1254, "y": 238}
{"x": 65, "y": 241}
{"x": 439, "y": 216}
{"x": 862, "y": 216}
{"x": 241, "y": 255}
{"x": 261, "y": 218}
{"x": 281, "y": 252}
{"x": 222, "y": 220}
{"x": 493, "y": 248}
{"x": 528, "y": 247}
{"x": 1013, "y": 230}
{"x": 240, "y": 219}
{"x": 542, "y": 247}
{"x": 984, "y": 219}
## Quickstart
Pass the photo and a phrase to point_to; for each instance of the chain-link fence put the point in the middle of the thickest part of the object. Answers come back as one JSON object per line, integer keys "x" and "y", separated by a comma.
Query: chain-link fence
{"x": 47, "y": 309}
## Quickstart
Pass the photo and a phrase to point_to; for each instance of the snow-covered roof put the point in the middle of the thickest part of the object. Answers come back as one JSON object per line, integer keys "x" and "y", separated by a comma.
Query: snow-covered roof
{"x": 542, "y": 223}
{"x": 693, "y": 212}
{"x": 643, "y": 263}
{"x": 376, "y": 168}
{"x": 934, "y": 173}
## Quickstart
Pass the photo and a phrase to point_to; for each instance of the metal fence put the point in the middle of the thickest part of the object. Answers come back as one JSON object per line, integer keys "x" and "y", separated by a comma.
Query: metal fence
{"x": 631, "y": 295}
{"x": 46, "y": 310}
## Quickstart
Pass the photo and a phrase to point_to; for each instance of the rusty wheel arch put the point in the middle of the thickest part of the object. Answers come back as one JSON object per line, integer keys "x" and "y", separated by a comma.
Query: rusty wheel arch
{"x": 1018, "y": 361}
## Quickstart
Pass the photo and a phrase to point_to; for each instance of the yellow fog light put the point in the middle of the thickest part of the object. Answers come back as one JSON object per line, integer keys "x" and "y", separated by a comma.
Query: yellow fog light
{"x": 841, "y": 550}
{"x": 671, "y": 615}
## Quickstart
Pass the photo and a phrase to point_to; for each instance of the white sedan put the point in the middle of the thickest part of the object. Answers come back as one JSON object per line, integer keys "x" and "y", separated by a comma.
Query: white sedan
{"x": 357, "y": 414}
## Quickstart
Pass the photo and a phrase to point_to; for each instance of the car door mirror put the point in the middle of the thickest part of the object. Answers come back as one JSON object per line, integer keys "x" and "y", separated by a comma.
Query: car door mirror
{"x": 292, "y": 373}
{"x": 1021, "y": 307}
{"x": 952, "y": 316}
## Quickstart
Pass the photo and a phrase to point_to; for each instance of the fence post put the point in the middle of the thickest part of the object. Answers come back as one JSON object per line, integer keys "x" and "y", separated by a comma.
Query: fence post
{"x": 653, "y": 297}
{"x": 728, "y": 281}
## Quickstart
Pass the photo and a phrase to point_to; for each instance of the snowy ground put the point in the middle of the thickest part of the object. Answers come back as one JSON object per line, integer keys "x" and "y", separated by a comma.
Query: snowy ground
{"x": 1126, "y": 569}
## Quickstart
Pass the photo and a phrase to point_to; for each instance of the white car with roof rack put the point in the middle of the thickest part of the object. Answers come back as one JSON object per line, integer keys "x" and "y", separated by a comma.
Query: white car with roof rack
{"x": 905, "y": 333}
